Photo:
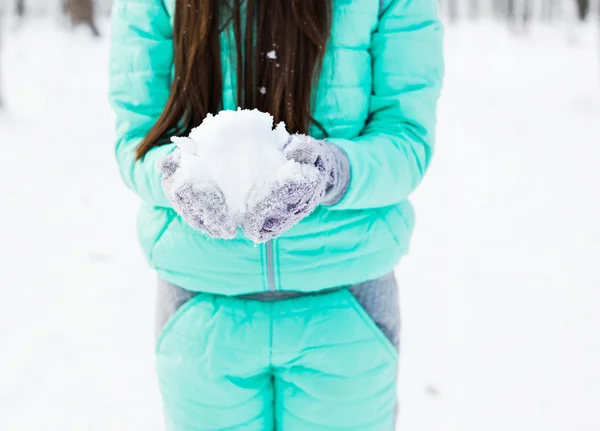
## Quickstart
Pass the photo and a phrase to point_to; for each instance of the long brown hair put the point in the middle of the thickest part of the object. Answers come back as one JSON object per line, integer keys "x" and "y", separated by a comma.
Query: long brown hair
{"x": 298, "y": 32}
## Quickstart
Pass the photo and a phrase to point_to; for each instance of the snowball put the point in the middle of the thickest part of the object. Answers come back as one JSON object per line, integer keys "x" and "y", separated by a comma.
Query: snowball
{"x": 271, "y": 55}
{"x": 241, "y": 153}
{"x": 263, "y": 90}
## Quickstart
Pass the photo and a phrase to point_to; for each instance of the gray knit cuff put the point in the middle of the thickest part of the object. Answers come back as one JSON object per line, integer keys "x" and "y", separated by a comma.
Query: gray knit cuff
{"x": 341, "y": 176}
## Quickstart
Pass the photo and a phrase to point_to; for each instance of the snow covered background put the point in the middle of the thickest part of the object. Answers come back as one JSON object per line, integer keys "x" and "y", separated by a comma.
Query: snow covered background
{"x": 500, "y": 295}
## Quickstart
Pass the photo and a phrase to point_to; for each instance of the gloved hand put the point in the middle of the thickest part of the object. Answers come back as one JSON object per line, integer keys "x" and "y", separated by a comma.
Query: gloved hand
{"x": 290, "y": 201}
{"x": 202, "y": 207}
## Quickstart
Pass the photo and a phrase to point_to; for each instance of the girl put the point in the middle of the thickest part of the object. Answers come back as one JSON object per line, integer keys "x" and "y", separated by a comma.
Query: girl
{"x": 300, "y": 332}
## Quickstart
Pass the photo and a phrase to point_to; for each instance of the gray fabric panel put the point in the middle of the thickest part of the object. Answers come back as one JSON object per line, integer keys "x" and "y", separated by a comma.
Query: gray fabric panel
{"x": 169, "y": 299}
{"x": 379, "y": 298}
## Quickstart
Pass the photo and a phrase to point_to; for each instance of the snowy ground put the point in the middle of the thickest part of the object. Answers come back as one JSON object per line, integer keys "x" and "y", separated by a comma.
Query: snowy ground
{"x": 500, "y": 294}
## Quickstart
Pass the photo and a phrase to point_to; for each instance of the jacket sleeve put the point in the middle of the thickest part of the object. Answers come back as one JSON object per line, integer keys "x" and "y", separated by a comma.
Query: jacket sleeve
{"x": 390, "y": 157}
{"x": 141, "y": 57}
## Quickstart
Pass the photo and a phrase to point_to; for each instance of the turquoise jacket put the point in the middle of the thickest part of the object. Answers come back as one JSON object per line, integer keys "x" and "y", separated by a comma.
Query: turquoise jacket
{"x": 377, "y": 97}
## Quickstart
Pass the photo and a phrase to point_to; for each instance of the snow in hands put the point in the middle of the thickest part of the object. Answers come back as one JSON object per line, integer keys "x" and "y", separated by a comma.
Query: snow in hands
{"x": 242, "y": 154}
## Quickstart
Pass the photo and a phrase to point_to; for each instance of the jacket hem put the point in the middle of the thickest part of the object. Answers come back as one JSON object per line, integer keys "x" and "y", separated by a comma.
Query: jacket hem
{"x": 339, "y": 274}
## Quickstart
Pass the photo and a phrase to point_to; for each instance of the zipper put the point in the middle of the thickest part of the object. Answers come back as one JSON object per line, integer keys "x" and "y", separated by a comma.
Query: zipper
{"x": 270, "y": 266}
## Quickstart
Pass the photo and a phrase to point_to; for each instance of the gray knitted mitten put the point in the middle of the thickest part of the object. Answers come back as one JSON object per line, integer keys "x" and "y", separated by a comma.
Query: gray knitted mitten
{"x": 203, "y": 208}
{"x": 291, "y": 201}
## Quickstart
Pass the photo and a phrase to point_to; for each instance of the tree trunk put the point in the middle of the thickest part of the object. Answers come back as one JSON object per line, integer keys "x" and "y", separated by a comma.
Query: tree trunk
{"x": 583, "y": 8}
{"x": 527, "y": 12}
{"x": 453, "y": 10}
{"x": 499, "y": 7}
{"x": 546, "y": 12}
{"x": 20, "y": 8}
{"x": 82, "y": 12}
{"x": 511, "y": 16}
{"x": 474, "y": 9}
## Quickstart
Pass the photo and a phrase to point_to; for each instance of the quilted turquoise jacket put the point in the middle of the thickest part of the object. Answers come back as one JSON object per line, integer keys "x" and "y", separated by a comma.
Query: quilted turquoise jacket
{"x": 377, "y": 97}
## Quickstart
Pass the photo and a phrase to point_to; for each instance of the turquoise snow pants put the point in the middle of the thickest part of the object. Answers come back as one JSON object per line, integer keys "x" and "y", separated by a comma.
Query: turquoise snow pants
{"x": 310, "y": 363}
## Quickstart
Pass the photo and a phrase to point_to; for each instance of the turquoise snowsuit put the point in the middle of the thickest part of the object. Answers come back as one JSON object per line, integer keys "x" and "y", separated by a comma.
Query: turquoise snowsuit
{"x": 377, "y": 97}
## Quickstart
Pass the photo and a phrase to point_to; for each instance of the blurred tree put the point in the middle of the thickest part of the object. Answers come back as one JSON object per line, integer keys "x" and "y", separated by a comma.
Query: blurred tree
{"x": 547, "y": 10}
{"x": 474, "y": 9}
{"x": 20, "y": 8}
{"x": 556, "y": 9}
{"x": 527, "y": 12}
{"x": 499, "y": 8}
{"x": 452, "y": 10}
{"x": 82, "y": 11}
{"x": 511, "y": 11}
{"x": 519, "y": 14}
{"x": 583, "y": 9}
